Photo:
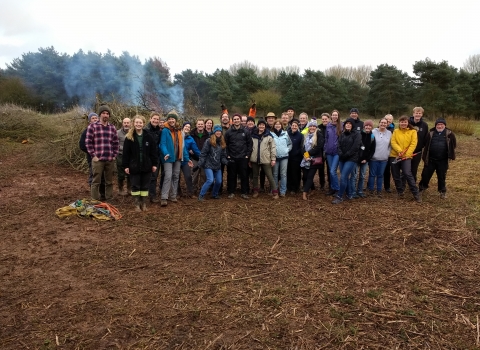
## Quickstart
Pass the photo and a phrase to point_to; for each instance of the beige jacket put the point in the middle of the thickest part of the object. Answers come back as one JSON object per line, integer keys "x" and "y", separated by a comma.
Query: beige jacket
{"x": 264, "y": 149}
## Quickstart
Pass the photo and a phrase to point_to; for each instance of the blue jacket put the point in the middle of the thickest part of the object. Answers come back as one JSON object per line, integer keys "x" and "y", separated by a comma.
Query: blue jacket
{"x": 166, "y": 147}
{"x": 283, "y": 144}
{"x": 189, "y": 144}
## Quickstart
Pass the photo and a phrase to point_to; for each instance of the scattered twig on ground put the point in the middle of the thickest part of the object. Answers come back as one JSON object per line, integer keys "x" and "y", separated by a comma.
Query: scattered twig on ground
{"x": 243, "y": 278}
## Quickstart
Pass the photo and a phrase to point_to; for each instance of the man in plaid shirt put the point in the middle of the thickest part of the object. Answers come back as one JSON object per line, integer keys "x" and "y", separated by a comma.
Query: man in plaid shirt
{"x": 102, "y": 145}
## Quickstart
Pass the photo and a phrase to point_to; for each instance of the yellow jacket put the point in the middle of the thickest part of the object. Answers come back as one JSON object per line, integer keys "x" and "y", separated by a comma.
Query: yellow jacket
{"x": 403, "y": 139}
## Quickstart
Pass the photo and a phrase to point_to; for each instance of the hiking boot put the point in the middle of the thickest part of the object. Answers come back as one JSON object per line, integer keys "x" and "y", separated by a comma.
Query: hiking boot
{"x": 201, "y": 199}
{"x": 331, "y": 193}
{"x": 231, "y": 195}
{"x": 337, "y": 200}
{"x": 137, "y": 204}
{"x": 388, "y": 190}
{"x": 216, "y": 197}
{"x": 400, "y": 195}
{"x": 443, "y": 195}
{"x": 163, "y": 203}
{"x": 379, "y": 194}
{"x": 143, "y": 203}
{"x": 282, "y": 194}
{"x": 418, "y": 197}
{"x": 355, "y": 196}
{"x": 154, "y": 200}
{"x": 174, "y": 200}
{"x": 361, "y": 195}
{"x": 245, "y": 196}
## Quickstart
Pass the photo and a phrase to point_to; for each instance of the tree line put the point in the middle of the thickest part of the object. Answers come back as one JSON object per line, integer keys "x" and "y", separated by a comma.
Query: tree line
{"x": 50, "y": 81}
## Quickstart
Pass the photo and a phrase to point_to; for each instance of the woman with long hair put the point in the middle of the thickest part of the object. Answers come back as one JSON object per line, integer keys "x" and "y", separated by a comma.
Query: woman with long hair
{"x": 295, "y": 156}
{"x": 212, "y": 157}
{"x": 312, "y": 148}
{"x": 349, "y": 144}
{"x": 209, "y": 126}
{"x": 403, "y": 142}
{"x": 193, "y": 151}
{"x": 283, "y": 145}
{"x": 140, "y": 159}
{"x": 332, "y": 133}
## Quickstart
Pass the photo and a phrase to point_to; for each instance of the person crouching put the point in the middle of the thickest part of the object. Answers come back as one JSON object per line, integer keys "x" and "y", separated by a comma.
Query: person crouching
{"x": 139, "y": 160}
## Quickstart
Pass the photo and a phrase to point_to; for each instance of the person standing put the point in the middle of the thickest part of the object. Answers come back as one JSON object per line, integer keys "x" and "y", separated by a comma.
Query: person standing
{"x": 379, "y": 160}
{"x": 387, "y": 175}
{"x": 403, "y": 143}
{"x": 422, "y": 130}
{"x": 440, "y": 144}
{"x": 101, "y": 141}
{"x": 357, "y": 126}
{"x": 92, "y": 118}
{"x": 283, "y": 145}
{"x": 193, "y": 151}
{"x": 200, "y": 136}
{"x": 290, "y": 113}
{"x": 239, "y": 149}
{"x": 312, "y": 148}
{"x": 140, "y": 159}
{"x": 349, "y": 144}
{"x": 121, "y": 175}
{"x": 154, "y": 129}
{"x": 212, "y": 157}
{"x": 366, "y": 152}
{"x": 263, "y": 156}
{"x": 332, "y": 133}
{"x": 172, "y": 153}
{"x": 295, "y": 156}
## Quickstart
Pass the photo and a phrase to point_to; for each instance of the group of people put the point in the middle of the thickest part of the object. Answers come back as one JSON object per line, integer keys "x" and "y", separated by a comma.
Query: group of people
{"x": 288, "y": 151}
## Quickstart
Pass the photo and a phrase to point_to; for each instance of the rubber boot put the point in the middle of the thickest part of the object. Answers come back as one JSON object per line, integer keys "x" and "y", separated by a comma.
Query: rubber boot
{"x": 129, "y": 186}
{"x": 137, "y": 204}
{"x": 143, "y": 203}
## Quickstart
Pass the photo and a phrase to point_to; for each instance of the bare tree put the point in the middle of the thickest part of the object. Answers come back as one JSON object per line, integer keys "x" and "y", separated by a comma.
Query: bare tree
{"x": 472, "y": 64}
{"x": 360, "y": 74}
{"x": 245, "y": 64}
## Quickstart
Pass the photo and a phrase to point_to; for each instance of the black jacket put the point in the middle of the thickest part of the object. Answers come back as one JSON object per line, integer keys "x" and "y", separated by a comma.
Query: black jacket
{"x": 131, "y": 154}
{"x": 296, "y": 153}
{"x": 368, "y": 143}
{"x": 422, "y": 131}
{"x": 450, "y": 139}
{"x": 239, "y": 142}
{"x": 212, "y": 157}
{"x": 349, "y": 144}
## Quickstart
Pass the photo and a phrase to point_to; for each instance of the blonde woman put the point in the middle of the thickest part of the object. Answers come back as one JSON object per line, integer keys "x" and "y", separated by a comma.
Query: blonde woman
{"x": 140, "y": 158}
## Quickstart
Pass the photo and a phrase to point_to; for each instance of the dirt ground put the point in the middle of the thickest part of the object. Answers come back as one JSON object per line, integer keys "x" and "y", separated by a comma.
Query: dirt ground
{"x": 235, "y": 274}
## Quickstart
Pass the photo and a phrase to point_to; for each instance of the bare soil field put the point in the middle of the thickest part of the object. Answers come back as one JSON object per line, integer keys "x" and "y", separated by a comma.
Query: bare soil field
{"x": 234, "y": 274}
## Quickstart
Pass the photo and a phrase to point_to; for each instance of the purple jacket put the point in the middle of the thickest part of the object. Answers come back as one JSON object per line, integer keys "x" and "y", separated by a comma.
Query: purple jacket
{"x": 331, "y": 140}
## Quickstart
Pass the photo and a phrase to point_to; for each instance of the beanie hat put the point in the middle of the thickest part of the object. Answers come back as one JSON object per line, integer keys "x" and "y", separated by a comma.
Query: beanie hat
{"x": 93, "y": 114}
{"x": 250, "y": 119}
{"x": 271, "y": 114}
{"x": 186, "y": 124}
{"x": 442, "y": 121}
{"x": 172, "y": 115}
{"x": 312, "y": 122}
{"x": 368, "y": 122}
{"x": 288, "y": 108}
{"x": 104, "y": 108}
{"x": 261, "y": 121}
{"x": 217, "y": 128}
{"x": 354, "y": 110}
{"x": 349, "y": 120}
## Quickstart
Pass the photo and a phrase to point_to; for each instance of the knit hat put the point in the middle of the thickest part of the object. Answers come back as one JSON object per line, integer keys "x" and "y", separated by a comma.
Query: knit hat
{"x": 271, "y": 114}
{"x": 355, "y": 110}
{"x": 368, "y": 122}
{"x": 186, "y": 124}
{"x": 442, "y": 121}
{"x": 312, "y": 122}
{"x": 288, "y": 108}
{"x": 104, "y": 108}
{"x": 250, "y": 119}
{"x": 172, "y": 115}
{"x": 217, "y": 128}
{"x": 93, "y": 114}
{"x": 261, "y": 121}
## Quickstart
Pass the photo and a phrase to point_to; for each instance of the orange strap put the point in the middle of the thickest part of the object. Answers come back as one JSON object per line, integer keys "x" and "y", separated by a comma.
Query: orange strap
{"x": 114, "y": 212}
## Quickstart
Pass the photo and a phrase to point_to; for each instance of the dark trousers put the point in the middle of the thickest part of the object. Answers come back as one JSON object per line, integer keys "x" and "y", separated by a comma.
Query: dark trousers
{"x": 152, "y": 188}
{"x": 237, "y": 166}
{"x": 321, "y": 173}
{"x": 140, "y": 183}
{"x": 438, "y": 166}
{"x": 415, "y": 163}
{"x": 294, "y": 175}
{"x": 402, "y": 172}
{"x": 387, "y": 176}
{"x": 308, "y": 176}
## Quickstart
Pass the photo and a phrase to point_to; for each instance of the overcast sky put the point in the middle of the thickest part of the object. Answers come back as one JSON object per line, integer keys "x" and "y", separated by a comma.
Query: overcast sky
{"x": 206, "y": 35}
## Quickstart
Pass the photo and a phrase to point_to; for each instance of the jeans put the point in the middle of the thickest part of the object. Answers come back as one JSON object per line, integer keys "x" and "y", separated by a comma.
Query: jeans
{"x": 376, "y": 172}
{"x": 281, "y": 165}
{"x": 333, "y": 165}
{"x": 346, "y": 174}
{"x": 352, "y": 185}
{"x": 170, "y": 182}
{"x": 361, "y": 178}
{"x": 212, "y": 175}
